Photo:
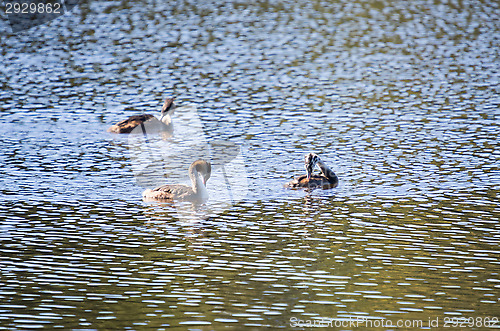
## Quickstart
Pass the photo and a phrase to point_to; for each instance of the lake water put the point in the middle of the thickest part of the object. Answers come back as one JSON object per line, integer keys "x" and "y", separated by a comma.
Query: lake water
{"x": 401, "y": 99}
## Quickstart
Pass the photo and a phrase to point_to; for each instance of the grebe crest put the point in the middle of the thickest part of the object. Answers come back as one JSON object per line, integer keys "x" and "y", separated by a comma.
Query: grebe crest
{"x": 167, "y": 109}
{"x": 310, "y": 161}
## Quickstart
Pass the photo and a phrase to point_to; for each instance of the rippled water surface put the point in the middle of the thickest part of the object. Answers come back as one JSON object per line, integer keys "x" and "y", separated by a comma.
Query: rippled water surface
{"x": 401, "y": 99}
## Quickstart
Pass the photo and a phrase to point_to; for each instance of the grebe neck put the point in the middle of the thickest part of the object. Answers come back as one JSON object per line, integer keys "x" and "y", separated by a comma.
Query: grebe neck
{"x": 165, "y": 119}
{"x": 197, "y": 183}
{"x": 327, "y": 172}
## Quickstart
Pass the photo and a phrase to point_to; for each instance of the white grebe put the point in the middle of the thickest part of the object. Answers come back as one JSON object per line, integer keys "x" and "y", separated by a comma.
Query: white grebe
{"x": 199, "y": 172}
{"x": 328, "y": 179}
{"x": 152, "y": 123}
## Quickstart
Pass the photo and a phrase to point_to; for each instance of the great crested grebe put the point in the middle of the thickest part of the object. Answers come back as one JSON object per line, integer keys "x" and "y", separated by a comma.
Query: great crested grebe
{"x": 151, "y": 122}
{"x": 199, "y": 173}
{"x": 328, "y": 179}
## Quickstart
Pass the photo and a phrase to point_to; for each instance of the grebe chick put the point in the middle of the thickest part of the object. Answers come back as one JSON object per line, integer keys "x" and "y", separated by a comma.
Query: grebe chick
{"x": 199, "y": 173}
{"x": 328, "y": 179}
{"x": 151, "y": 122}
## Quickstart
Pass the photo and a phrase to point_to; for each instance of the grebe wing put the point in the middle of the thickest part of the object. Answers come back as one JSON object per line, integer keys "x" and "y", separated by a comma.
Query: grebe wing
{"x": 128, "y": 125}
{"x": 169, "y": 192}
{"x": 323, "y": 182}
{"x": 313, "y": 182}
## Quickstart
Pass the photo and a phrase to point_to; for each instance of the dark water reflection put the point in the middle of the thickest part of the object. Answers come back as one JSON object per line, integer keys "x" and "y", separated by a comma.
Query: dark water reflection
{"x": 400, "y": 99}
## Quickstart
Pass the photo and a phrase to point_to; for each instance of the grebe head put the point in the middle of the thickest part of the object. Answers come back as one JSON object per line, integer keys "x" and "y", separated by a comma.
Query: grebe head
{"x": 203, "y": 168}
{"x": 310, "y": 162}
{"x": 168, "y": 107}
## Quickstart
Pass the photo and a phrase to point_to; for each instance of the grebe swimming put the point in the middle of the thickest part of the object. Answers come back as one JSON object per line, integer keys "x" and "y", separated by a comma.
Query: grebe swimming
{"x": 148, "y": 122}
{"x": 199, "y": 172}
{"x": 328, "y": 179}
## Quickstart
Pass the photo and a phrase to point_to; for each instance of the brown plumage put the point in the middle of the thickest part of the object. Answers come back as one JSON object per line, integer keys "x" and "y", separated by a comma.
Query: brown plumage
{"x": 316, "y": 181}
{"x": 150, "y": 122}
{"x": 126, "y": 126}
{"x": 199, "y": 173}
{"x": 327, "y": 180}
